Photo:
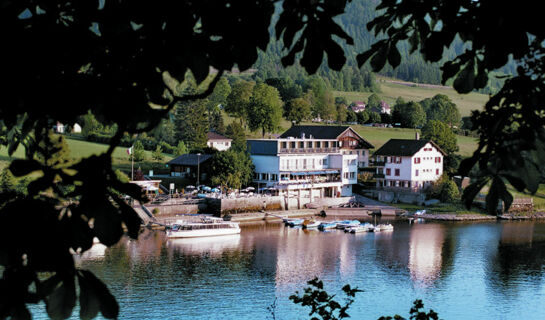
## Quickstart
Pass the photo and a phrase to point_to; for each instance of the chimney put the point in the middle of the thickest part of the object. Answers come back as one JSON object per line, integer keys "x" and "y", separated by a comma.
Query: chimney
{"x": 416, "y": 135}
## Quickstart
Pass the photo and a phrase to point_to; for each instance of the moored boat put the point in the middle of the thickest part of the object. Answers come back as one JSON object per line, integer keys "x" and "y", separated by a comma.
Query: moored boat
{"x": 205, "y": 228}
{"x": 347, "y": 223}
{"x": 295, "y": 222}
{"x": 311, "y": 224}
{"x": 327, "y": 225}
{"x": 385, "y": 227}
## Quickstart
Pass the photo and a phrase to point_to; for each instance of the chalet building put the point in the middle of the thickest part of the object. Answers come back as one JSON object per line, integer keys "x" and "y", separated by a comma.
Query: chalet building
{"x": 409, "y": 165}
{"x": 314, "y": 161}
{"x": 187, "y": 165}
{"x": 357, "y": 106}
{"x": 217, "y": 141}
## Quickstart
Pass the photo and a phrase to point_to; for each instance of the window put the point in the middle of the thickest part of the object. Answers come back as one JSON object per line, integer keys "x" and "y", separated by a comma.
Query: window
{"x": 352, "y": 175}
{"x": 274, "y": 177}
{"x": 437, "y": 171}
{"x": 304, "y": 163}
{"x": 318, "y": 144}
{"x": 309, "y": 144}
{"x": 326, "y": 144}
{"x": 284, "y": 145}
{"x": 397, "y": 172}
{"x": 334, "y": 144}
{"x": 301, "y": 144}
{"x": 325, "y": 162}
{"x": 388, "y": 171}
{"x": 416, "y": 173}
{"x": 292, "y": 145}
{"x": 388, "y": 159}
{"x": 417, "y": 160}
{"x": 398, "y": 159}
{"x": 437, "y": 159}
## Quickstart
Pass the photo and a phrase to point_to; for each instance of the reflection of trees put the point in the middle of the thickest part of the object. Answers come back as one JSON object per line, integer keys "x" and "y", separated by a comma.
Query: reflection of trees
{"x": 520, "y": 256}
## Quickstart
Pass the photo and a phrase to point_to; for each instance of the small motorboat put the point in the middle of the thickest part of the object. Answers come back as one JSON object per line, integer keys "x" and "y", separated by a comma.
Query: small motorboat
{"x": 295, "y": 222}
{"x": 366, "y": 227}
{"x": 327, "y": 225}
{"x": 385, "y": 227}
{"x": 311, "y": 224}
{"x": 347, "y": 223}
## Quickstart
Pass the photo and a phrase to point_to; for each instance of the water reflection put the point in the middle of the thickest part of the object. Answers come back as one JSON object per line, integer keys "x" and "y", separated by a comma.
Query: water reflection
{"x": 425, "y": 252}
{"x": 213, "y": 246}
{"x": 447, "y": 265}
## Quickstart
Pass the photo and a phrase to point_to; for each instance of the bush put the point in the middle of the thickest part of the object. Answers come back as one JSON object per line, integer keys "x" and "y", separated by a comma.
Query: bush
{"x": 155, "y": 211}
{"x": 450, "y": 192}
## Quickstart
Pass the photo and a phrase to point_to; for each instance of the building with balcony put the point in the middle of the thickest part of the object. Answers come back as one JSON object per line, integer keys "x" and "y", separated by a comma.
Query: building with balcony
{"x": 408, "y": 165}
{"x": 217, "y": 141}
{"x": 310, "y": 161}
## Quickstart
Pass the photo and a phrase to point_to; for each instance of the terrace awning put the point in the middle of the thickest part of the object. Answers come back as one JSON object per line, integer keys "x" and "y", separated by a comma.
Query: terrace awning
{"x": 304, "y": 173}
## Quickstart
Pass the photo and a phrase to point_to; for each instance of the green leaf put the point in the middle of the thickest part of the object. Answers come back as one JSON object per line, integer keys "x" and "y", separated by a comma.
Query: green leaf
{"x": 465, "y": 81}
{"x": 97, "y": 294}
{"x": 62, "y": 300}
{"x": 21, "y": 168}
{"x": 394, "y": 58}
{"x": 379, "y": 59}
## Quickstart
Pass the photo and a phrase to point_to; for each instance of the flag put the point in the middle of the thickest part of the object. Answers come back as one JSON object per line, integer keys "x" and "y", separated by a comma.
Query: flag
{"x": 129, "y": 151}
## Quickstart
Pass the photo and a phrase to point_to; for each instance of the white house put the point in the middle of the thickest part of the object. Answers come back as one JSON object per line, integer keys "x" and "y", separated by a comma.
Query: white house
{"x": 408, "y": 164}
{"x": 312, "y": 161}
{"x": 217, "y": 141}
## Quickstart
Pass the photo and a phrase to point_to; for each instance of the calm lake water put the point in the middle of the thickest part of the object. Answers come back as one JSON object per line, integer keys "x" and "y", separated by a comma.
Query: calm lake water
{"x": 460, "y": 270}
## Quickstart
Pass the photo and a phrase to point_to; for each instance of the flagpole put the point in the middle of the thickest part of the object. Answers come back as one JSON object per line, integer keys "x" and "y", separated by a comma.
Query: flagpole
{"x": 132, "y": 166}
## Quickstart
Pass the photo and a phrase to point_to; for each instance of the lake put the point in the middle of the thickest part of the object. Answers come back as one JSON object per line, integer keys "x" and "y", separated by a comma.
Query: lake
{"x": 487, "y": 270}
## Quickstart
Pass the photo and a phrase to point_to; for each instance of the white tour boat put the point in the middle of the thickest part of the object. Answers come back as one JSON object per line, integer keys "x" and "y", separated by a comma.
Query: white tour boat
{"x": 205, "y": 228}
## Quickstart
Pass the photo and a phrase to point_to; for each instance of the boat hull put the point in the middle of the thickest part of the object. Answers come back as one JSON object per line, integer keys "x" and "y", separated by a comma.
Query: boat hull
{"x": 202, "y": 233}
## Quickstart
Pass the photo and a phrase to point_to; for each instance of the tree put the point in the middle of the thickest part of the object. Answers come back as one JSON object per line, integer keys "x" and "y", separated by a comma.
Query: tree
{"x": 373, "y": 103}
{"x": 219, "y": 95}
{"x": 351, "y": 116}
{"x": 157, "y": 154}
{"x": 299, "y": 110}
{"x": 236, "y": 132}
{"x": 138, "y": 152}
{"x": 410, "y": 115}
{"x": 374, "y": 117}
{"x": 265, "y": 106}
{"x": 450, "y": 192}
{"x": 124, "y": 61}
{"x": 442, "y": 135}
{"x": 511, "y": 126}
{"x": 445, "y": 138}
{"x": 7, "y": 181}
{"x": 181, "y": 149}
{"x": 192, "y": 124}
{"x": 231, "y": 169}
{"x": 215, "y": 120}
{"x": 341, "y": 113}
{"x": 363, "y": 117}
{"x": 441, "y": 108}
{"x": 239, "y": 99}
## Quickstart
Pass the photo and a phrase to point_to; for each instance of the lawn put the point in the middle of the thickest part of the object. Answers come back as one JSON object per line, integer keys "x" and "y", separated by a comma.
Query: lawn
{"x": 80, "y": 148}
{"x": 441, "y": 208}
{"x": 390, "y": 92}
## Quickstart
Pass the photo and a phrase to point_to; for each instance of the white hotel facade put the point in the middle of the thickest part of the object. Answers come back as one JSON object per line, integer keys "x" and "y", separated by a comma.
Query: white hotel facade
{"x": 310, "y": 161}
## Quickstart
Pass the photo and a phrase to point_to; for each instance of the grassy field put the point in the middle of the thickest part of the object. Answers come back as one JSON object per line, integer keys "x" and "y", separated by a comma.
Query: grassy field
{"x": 391, "y": 91}
{"x": 81, "y": 148}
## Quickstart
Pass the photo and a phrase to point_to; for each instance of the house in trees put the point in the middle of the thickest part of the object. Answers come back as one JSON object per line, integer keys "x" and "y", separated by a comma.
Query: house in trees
{"x": 357, "y": 106}
{"x": 310, "y": 162}
{"x": 408, "y": 165}
{"x": 217, "y": 141}
{"x": 385, "y": 108}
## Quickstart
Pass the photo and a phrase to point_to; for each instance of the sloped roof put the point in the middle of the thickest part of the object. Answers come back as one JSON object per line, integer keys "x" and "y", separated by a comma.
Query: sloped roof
{"x": 403, "y": 147}
{"x": 189, "y": 159}
{"x": 216, "y": 136}
{"x": 317, "y": 132}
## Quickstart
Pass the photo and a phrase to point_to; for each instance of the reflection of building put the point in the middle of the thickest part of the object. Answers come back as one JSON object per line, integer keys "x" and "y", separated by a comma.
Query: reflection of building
{"x": 217, "y": 141}
{"x": 213, "y": 246}
{"x": 425, "y": 252}
{"x": 315, "y": 161}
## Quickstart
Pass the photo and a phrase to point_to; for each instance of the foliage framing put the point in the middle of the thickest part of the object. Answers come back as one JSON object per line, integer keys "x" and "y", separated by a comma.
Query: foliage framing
{"x": 114, "y": 58}
{"x": 511, "y": 126}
